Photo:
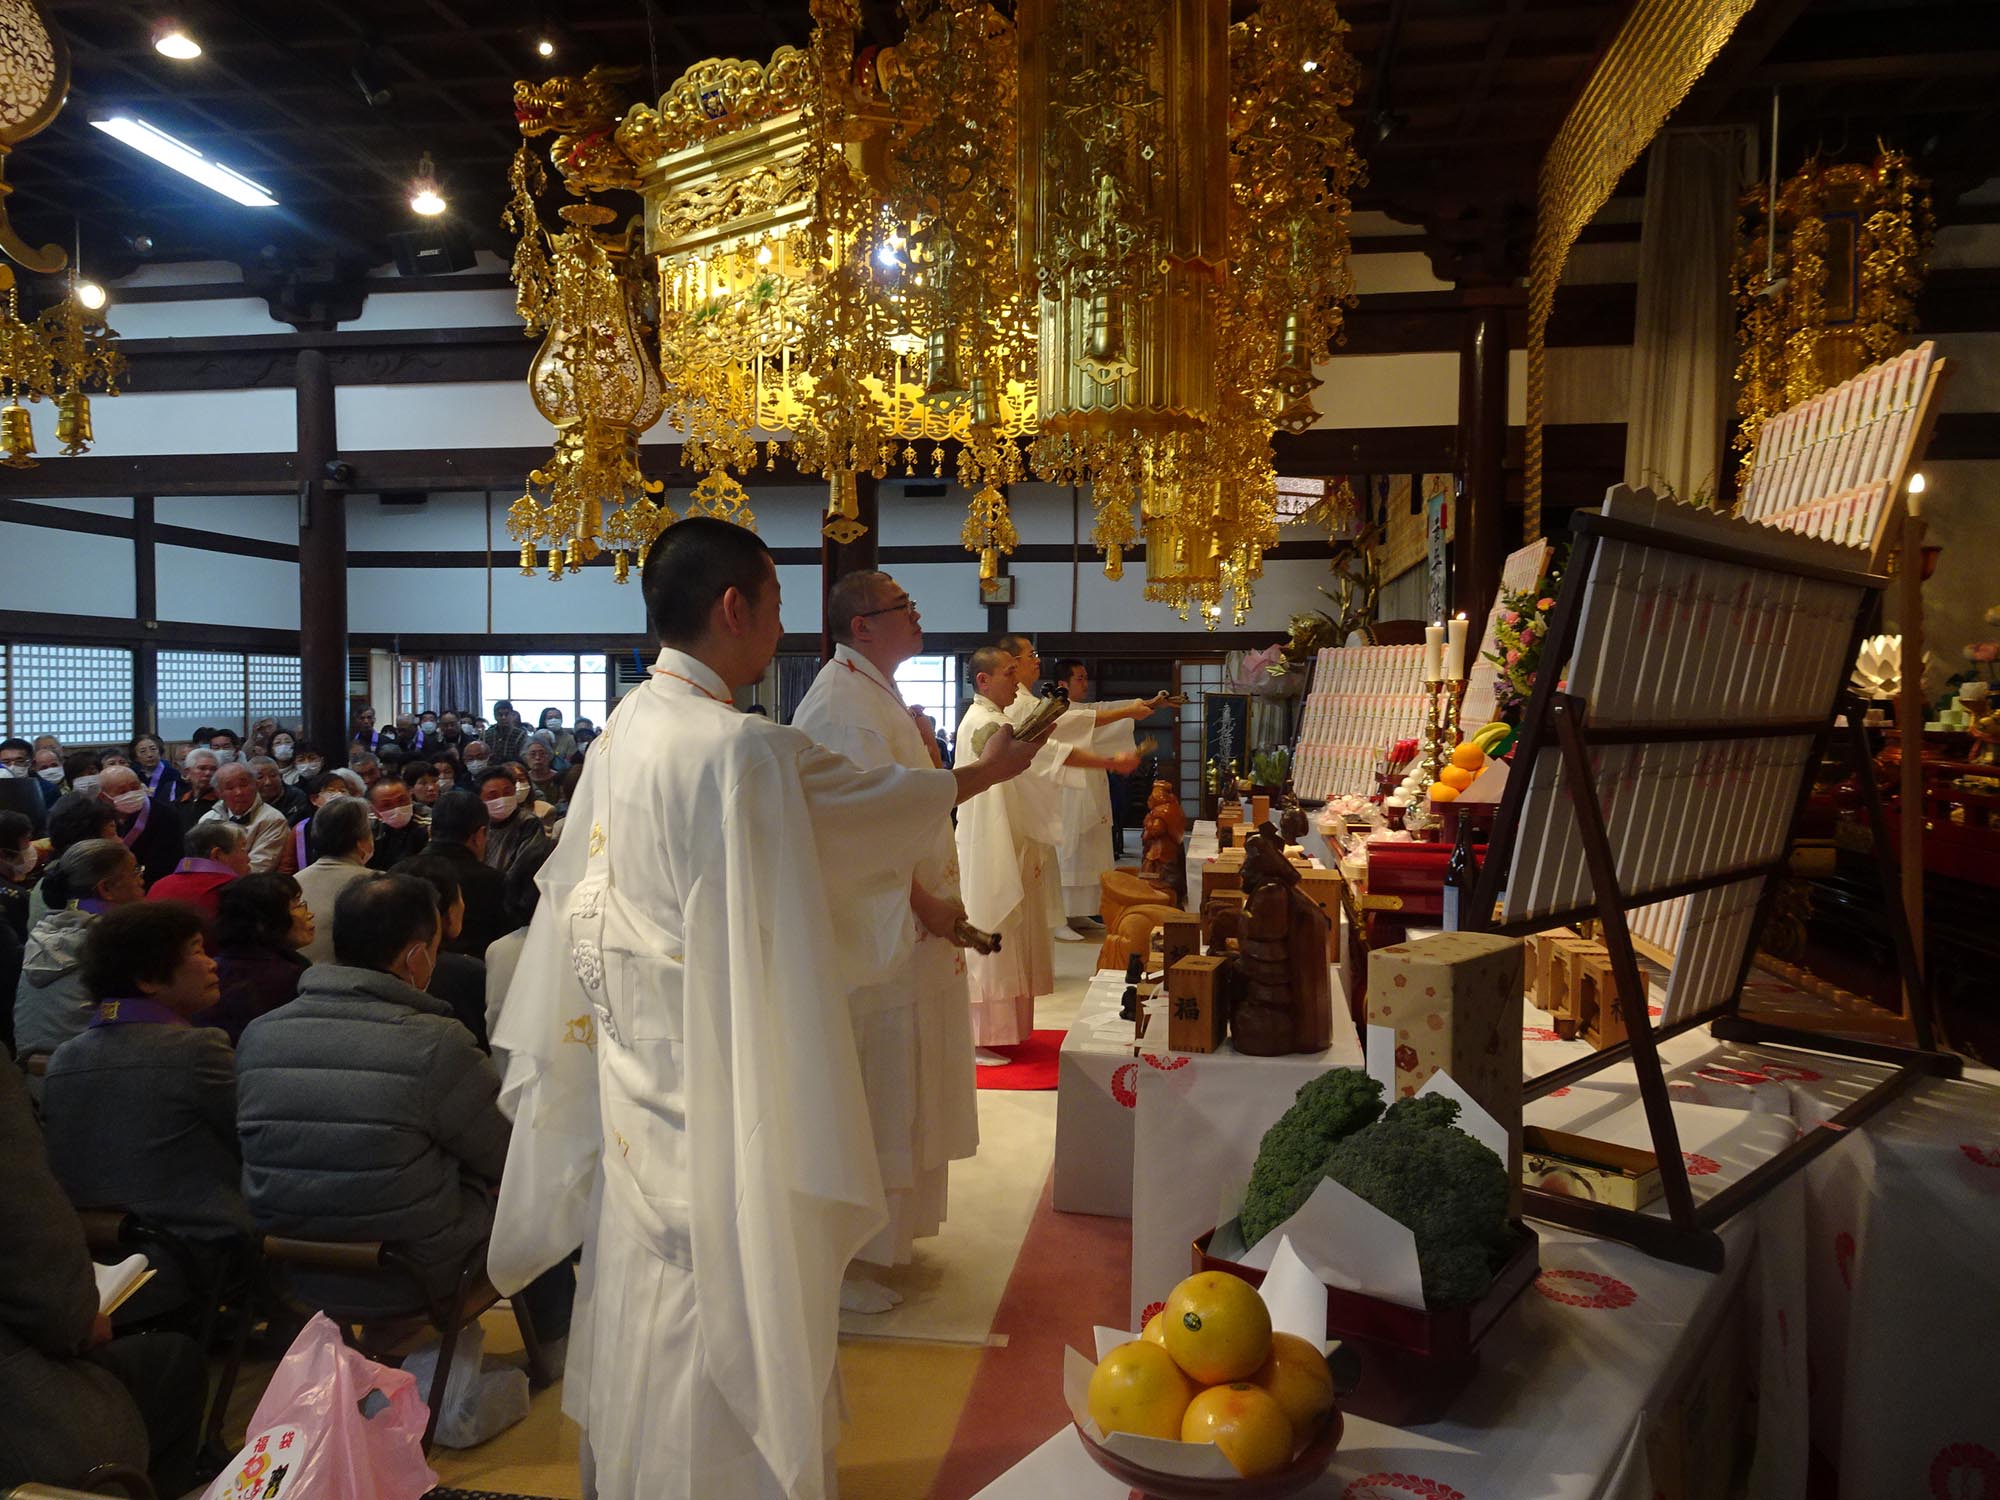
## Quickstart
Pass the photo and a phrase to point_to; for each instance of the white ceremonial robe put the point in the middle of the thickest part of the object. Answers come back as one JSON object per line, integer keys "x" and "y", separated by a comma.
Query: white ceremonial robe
{"x": 682, "y": 1073}
{"x": 1084, "y": 852}
{"x": 913, "y": 1031}
{"x": 1006, "y": 861}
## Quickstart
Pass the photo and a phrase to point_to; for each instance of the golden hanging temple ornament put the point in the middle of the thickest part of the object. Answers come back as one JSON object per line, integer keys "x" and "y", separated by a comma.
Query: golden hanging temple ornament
{"x": 1836, "y": 292}
{"x": 1102, "y": 244}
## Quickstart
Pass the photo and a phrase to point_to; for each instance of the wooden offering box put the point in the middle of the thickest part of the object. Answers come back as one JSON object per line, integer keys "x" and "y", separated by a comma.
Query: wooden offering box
{"x": 1197, "y": 1013}
{"x": 1324, "y": 889}
{"x": 1413, "y": 1361}
{"x": 1223, "y": 873}
{"x": 1180, "y": 936}
{"x": 1600, "y": 1015}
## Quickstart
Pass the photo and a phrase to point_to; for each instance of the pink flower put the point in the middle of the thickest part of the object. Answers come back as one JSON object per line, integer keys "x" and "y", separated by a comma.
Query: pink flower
{"x": 1528, "y": 636}
{"x": 1512, "y": 617}
{"x": 1983, "y": 651}
{"x": 1545, "y": 604}
{"x": 1513, "y": 658}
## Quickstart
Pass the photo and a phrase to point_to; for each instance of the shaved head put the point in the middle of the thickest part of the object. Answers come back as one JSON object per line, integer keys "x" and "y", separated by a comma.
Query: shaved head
{"x": 852, "y": 594}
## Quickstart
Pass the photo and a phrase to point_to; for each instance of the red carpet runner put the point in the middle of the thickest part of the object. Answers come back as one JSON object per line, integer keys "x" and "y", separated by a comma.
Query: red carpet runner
{"x": 1033, "y": 1067}
{"x": 1073, "y": 1272}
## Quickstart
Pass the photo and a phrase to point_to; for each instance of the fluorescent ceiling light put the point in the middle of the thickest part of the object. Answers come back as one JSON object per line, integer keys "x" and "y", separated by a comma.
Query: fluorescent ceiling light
{"x": 184, "y": 159}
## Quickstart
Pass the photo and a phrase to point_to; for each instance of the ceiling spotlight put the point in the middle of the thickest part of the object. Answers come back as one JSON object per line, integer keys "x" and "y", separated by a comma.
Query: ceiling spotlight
{"x": 177, "y": 44}
{"x": 545, "y": 48}
{"x": 425, "y": 198}
{"x": 184, "y": 159}
{"x": 90, "y": 294}
{"x": 1309, "y": 66}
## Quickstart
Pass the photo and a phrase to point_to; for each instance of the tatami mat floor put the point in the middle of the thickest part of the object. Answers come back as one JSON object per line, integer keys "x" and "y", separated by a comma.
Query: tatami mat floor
{"x": 907, "y": 1373}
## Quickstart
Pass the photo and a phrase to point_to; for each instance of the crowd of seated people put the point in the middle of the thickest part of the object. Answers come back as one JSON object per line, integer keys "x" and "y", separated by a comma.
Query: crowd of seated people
{"x": 250, "y": 996}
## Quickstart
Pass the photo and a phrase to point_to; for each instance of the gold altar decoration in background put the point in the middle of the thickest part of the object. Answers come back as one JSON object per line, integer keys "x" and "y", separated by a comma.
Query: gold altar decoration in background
{"x": 1661, "y": 48}
{"x": 34, "y": 86}
{"x": 1841, "y": 290}
{"x": 596, "y": 378}
{"x": 1116, "y": 233}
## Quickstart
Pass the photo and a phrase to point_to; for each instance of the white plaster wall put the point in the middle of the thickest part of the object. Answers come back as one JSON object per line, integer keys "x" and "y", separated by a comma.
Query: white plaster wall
{"x": 111, "y": 505}
{"x": 430, "y": 601}
{"x": 1388, "y": 390}
{"x": 476, "y": 414}
{"x": 264, "y": 518}
{"x": 225, "y": 316}
{"x": 66, "y": 573}
{"x": 449, "y": 521}
{"x": 220, "y": 588}
{"x": 440, "y": 309}
{"x": 141, "y": 423}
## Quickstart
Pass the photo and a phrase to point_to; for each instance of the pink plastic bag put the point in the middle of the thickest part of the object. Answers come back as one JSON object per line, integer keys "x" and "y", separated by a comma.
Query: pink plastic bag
{"x": 333, "y": 1425}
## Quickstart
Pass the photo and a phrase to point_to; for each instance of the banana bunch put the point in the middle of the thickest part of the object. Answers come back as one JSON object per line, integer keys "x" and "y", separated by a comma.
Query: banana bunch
{"x": 1490, "y": 737}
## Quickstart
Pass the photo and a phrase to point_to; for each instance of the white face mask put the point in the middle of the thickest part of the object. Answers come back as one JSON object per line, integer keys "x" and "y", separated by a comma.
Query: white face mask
{"x": 394, "y": 817}
{"x": 475, "y": 766}
{"x": 51, "y": 774}
{"x": 282, "y": 750}
{"x": 85, "y": 784}
{"x": 224, "y": 757}
{"x": 309, "y": 768}
{"x": 128, "y": 803}
{"x": 499, "y": 809}
{"x": 17, "y": 866}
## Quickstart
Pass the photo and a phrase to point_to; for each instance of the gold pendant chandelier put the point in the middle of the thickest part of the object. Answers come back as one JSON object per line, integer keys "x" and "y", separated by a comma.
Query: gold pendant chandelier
{"x": 1104, "y": 244}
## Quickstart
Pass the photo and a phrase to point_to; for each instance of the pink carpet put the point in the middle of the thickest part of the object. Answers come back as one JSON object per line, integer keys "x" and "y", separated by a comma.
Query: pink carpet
{"x": 1033, "y": 1067}
{"x": 1073, "y": 1272}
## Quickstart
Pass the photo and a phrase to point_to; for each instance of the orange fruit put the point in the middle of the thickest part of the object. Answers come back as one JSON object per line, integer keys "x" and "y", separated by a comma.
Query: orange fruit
{"x": 1138, "y": 1388}
{"x": 1471, "y": 757}
{"x": 1155, "y": 1331}
{"x": 1245, "y": 1422}
{"x": 1216, "y": 1327}
{"x": 1443, "y": 791}
{"x": 1457, "y": 777}
{"x": 1298, "y": 1379}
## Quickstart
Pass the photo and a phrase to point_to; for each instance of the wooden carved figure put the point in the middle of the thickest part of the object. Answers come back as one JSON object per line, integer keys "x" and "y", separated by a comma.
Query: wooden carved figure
{"x": 1286, "y": 1000}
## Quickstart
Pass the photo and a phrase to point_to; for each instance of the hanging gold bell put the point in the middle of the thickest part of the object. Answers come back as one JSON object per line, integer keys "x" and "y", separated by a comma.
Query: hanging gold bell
{"x": 574, "y": 557}
{"x": 843, "y": 509}
{"x": 527, "y": 559}
{"x": 1103, "y": 359}
{"x": 555, "y": 564}
{"x": 73, "y": 423}
{"x": 621, "y": 566}
{"x": 17, "y": 437}
{"x": 1114, "y": 562}
{"x": 989, "y": 564}
{"x": 944, "y": 383}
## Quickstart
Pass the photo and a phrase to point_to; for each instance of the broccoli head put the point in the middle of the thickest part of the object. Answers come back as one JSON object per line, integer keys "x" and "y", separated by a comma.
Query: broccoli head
{"x": 1448, "y": 1189}
{"x": 1293, "y": 1153}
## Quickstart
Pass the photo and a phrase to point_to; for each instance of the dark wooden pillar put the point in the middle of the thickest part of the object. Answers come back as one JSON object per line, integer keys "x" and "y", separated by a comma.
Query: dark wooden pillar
{"x": 1478, "y": 549}
{"x": 146, "y": 601}
{"x": 860, "y": 555}
{"x": 322, "y": 561}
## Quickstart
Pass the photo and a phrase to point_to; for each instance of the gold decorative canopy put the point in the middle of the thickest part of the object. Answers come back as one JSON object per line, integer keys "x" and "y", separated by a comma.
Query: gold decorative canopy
{"x": 1104, "y": 244}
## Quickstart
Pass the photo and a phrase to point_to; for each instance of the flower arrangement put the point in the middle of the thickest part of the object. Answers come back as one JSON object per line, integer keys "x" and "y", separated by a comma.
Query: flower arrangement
{"x": 1522, "y": 630}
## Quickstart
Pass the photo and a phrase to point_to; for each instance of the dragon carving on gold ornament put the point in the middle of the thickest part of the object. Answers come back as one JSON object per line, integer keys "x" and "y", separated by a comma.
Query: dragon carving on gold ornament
{"x": 584, "y": 114}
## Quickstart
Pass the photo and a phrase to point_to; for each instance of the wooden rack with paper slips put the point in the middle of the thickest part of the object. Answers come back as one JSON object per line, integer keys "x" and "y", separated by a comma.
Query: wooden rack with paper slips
{"x": 1696, "y": 666}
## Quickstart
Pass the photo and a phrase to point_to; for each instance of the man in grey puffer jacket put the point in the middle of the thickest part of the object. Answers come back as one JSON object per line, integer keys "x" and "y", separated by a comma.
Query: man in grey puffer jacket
{"x": 365, "y": 1110}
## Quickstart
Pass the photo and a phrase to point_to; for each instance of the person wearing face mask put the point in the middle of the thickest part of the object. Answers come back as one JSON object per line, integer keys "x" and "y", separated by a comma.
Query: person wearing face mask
{"x": 49, "y": 776}
{"x": 366, "y": 1111}
{"x": 509, "y": 734}
{"x": 197, "y": 794}
{"x": 477, "y": 758}
{"x": 242, "y": 804}
{"x": 227, "y": 745}
{"x": 19, "y": 791}
{"x": 300, "y": 764}
{"x": 562, "y": 744}
{"x": 459, "y": 827}
{"x": 514, "y": 828}
{"x": 397, "y": 836}
{"x": 81, "y": 769}
{"x": 151, "y": 834}
{"x": 544, "y": 772}
{"x": 339, "y": 782}
{"x": 52, "y": 1002}
{"x": 447, "y": 734}
{"x": 293, "y": 805}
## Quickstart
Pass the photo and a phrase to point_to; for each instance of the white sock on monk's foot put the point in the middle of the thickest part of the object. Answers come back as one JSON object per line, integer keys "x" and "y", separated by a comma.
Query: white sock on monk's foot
{"x": 1068, "y": 934}
{"x": 986, "y": 1057}
{"x": 860, "y": 1295}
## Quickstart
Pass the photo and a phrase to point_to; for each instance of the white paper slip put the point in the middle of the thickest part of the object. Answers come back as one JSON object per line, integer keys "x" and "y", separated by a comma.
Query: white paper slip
{"x": 117, "y": 1283}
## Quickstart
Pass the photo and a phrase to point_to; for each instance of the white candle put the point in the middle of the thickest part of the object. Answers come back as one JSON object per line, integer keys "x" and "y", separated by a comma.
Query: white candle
{"x": 1454, "y": 668}
{"x": 1433, "y": 653}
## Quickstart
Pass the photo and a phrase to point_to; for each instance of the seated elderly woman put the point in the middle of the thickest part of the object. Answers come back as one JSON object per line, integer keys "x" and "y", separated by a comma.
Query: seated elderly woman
{"x": 53, "y": 1002}
{"x": 140, "y": 1107}
{"x": 262, "y": 922}
{"x": 213, "y": 854}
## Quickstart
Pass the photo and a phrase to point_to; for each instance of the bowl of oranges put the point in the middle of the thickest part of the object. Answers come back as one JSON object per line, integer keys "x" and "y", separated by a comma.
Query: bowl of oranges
{"x": 1210, "y": 1399}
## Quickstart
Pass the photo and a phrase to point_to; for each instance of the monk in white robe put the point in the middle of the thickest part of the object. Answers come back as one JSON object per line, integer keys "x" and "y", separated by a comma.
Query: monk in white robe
{"x": 681, "y": 1061}
{"x": 912, "y": 1030}
{"x": 1007, "y": 857}
{"x": 1103, "y": 731}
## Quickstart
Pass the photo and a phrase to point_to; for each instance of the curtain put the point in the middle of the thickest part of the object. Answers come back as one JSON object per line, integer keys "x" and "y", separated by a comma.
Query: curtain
{"x": 796, "y": 671}
{"x": 458, "y": 683}
{"x": 1683, "y": 346}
